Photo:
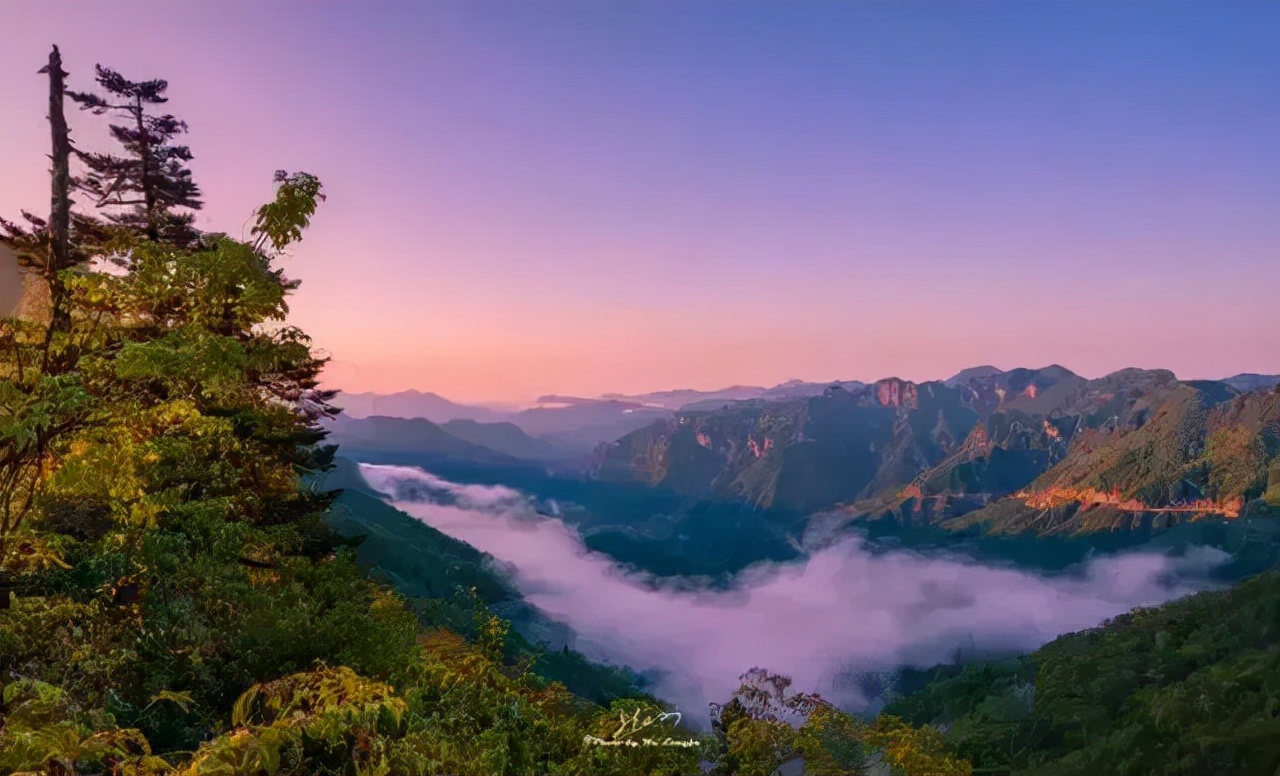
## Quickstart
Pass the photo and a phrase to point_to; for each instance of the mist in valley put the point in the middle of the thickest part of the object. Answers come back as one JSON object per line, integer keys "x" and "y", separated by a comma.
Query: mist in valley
{"x": 843, "y": 611}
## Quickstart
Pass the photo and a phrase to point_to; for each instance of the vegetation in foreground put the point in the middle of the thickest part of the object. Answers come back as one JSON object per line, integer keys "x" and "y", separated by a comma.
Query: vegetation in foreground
{"x": 172, "y": 600}
{"x": 1186, "y": 689}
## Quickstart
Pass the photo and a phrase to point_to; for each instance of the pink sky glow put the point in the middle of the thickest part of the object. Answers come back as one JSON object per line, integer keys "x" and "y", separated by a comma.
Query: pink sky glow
{"x": 585, "y": 198}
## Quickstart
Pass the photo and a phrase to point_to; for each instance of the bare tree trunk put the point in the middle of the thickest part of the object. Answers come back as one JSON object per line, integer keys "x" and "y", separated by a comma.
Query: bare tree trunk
{"x": 60, "y": 201}
{"x": 148, "y": 193}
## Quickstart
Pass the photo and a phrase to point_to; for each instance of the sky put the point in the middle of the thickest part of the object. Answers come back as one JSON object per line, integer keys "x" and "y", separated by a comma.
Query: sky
{"x": 843, "y": 610}
{"x": 588, "y": 197}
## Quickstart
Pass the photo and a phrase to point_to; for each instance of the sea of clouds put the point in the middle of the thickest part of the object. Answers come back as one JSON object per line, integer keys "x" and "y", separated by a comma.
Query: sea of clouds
{"x": 843, "y": 610}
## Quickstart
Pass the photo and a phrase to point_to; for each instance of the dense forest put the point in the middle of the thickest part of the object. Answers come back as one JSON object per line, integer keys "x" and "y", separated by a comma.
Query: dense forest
{"x": 1188, "y": 688}
{"x": 175, "y": 597}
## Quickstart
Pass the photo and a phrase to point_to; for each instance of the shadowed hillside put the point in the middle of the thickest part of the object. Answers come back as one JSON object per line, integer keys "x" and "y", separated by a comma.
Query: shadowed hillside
{"x": 1185, "y": 689}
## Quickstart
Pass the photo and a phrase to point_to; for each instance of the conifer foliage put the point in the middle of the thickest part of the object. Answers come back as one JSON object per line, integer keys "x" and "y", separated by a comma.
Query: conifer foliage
{"x": 145, "y": 188}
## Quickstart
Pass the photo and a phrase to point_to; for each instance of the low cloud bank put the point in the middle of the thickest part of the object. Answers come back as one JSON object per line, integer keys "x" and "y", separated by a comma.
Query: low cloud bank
{"x": 844, "y": 609}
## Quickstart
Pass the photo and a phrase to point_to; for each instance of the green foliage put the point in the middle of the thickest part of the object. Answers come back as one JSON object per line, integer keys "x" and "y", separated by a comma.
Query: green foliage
{"x": 759, "y": 747}
{"x": 36, "y": 413}
{"x": 169, "y": 559}
{"x": 335, "y": 711}
{"x": 1272, "y": 494}
{"x": 46, "y": 730}
{"x": 1191, "y": 687}
{"x": 282, "y": 220}
{"x": 425, "y": 565}
{"x": 762, "y": 728}
{"x": 832, "y": 743}
{"x": 1237, "y": 460}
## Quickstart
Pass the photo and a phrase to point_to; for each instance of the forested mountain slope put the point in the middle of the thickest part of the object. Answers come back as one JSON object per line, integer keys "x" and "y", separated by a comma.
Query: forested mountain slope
{"x": 1191, "y": 688}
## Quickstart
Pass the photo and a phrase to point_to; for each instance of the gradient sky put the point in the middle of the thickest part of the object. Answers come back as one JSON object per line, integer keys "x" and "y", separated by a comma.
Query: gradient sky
{"x": 584, "y": 197}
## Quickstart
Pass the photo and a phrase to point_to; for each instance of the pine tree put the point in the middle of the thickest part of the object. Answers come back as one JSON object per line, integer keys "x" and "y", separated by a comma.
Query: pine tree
{"x": 148, "y": 186}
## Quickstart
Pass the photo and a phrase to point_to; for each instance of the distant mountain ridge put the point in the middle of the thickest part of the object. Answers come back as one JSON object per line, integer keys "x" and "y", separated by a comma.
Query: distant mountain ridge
{"x": 410, "y": 435}
{"x": 412, "y": 404}
{"x": 956, "y": 469}
{"x": 972, "y": 373}
{"x": 566, "y": 422}
{"x": 577, "y": 425}
{"x": 508, "y": 439}
{"x": 586, "y": 424}
{"x": 1024, "y": 449}
{"x": 1252, "y": 382}
{"x": 436, "y": 408}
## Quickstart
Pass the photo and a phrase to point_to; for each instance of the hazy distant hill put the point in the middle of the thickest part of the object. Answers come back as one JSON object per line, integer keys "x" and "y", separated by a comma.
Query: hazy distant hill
{"x": 674, "y": 400}
{"x": 410, "y": 435}
{"x": 792, "y": 389}
{"x": 872, "y": 445}
{"x": 1047, "y": 449}
{"x": 797, "y": 388}
{"x": 509, "y": 439}
{"x": 561, "y": 426}
{"x": 688, "y": 399}
{"x": 1252, "y": 382}
{"x": 412, "y": 404}
{"x": 576, "y": 427}
{"x": 586, "y": 424}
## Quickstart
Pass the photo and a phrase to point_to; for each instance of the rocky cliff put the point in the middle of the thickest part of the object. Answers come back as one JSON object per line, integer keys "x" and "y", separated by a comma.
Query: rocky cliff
{"x": 1041, "y": 449}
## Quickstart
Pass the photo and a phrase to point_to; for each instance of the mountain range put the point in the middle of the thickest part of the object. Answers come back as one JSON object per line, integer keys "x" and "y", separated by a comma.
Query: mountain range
{"x": 1043, "y": 450}
{"x": 571, "y": 422}
{"x": 1040, "y": 450}
{"x": 412, "y": 404}
{"x": 436, "y": 408}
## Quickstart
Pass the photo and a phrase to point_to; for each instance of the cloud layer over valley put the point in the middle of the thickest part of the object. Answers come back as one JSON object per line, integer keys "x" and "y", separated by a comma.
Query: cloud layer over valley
{"x": 845, "y": 609}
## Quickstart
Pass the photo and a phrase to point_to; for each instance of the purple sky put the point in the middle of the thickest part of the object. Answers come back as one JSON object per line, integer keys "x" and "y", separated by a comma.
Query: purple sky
{"x": 587, "y": 197}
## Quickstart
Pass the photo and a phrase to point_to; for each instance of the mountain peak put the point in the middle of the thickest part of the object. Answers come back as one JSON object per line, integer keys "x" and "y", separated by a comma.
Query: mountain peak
{"x": 1137, "y": 374}
{"x": 972, "y": 373}
{"x": 1056, "y": 370}
{"x": 410, "y": 404}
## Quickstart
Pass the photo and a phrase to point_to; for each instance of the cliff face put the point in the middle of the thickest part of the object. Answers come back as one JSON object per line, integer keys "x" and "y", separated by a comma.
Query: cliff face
{"x": 734, "y": 453}
{"x": 805, "y": 453}
{"x": 1024, "y": 449}
{"x": 896, "y": 393}
{"x": 1192, "y": 458}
